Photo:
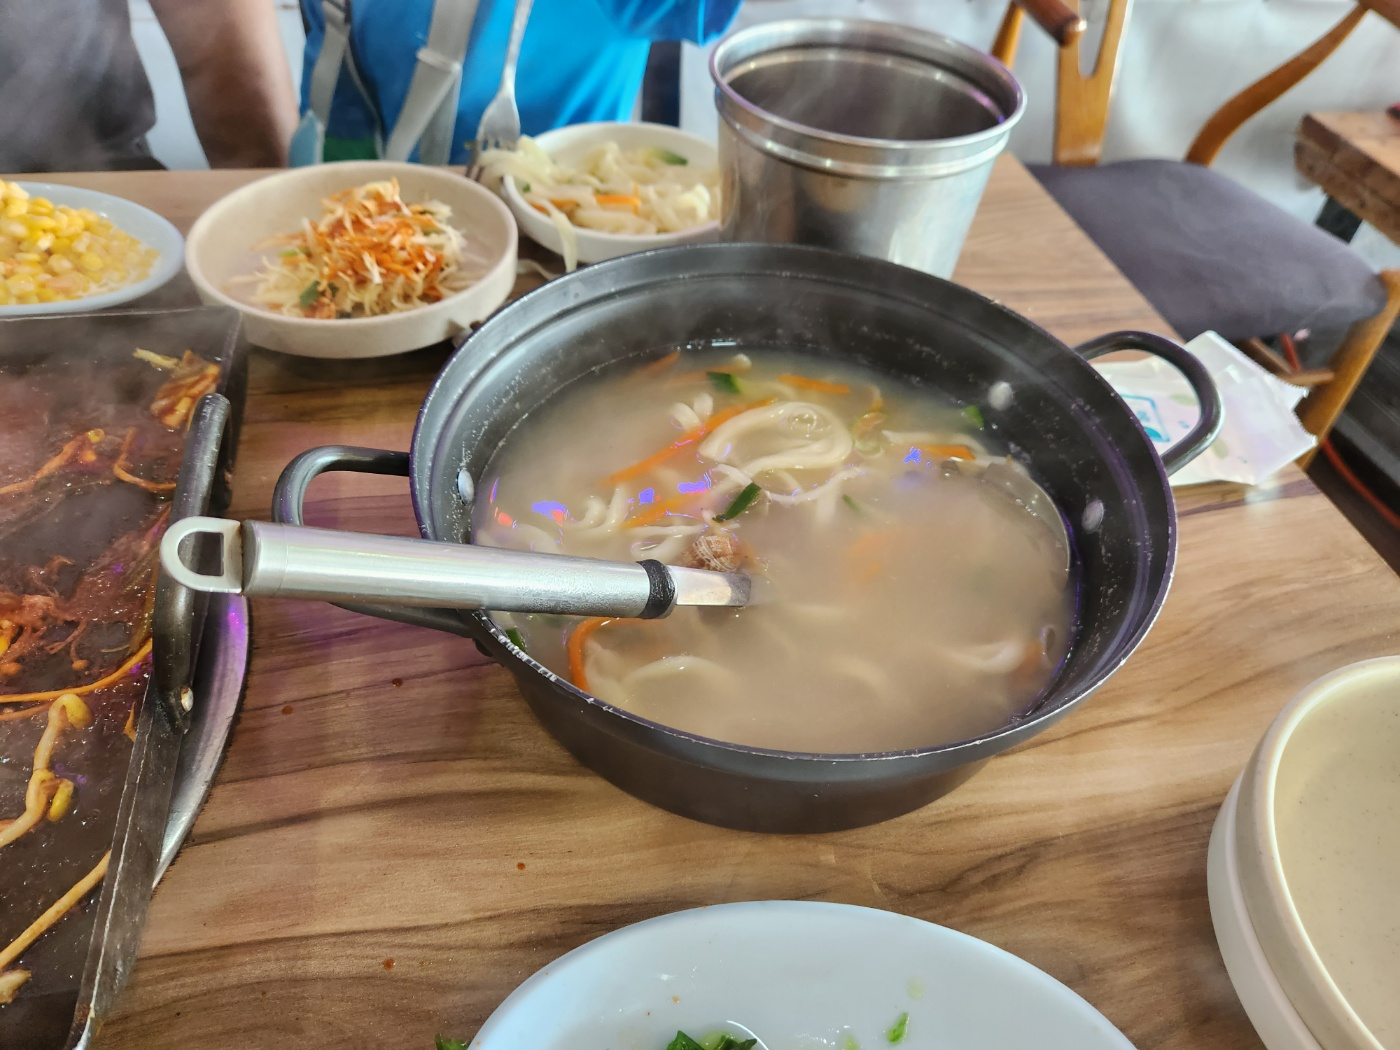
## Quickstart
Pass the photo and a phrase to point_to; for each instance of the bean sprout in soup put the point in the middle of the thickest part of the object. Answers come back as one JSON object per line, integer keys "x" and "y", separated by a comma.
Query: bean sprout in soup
{"x": 906, "y": 600}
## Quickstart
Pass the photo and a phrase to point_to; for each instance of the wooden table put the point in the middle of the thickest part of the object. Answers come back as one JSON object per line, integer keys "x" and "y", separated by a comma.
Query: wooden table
{"x": 394, "y": 844}
{"x": 1355, "y": 158}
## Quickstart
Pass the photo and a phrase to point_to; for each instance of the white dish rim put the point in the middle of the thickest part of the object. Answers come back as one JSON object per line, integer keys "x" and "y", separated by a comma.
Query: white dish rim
{"x": 1265, "y": 1002}
{"x": 559, "y": 968}
{"x": 1258, "y": 834}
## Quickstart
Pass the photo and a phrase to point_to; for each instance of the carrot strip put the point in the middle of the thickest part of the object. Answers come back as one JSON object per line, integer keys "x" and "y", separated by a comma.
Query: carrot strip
{"x": 652, "y": 368}
{"x": 690, "y": 437}
{"x": 626, "y": 200}
{"x": 55, "y": 912}
{"x": 101, "y": 683}
{"x": 819, "y": 385}
{"x": 948, "y": 451}
{"x": 581, "y": 634}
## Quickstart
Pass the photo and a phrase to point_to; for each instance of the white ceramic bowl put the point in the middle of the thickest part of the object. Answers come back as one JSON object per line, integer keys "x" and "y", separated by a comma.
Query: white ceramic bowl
{"x": 1319, "y": 851}
{"x": 222, "y": 246}
{"x": 142, "y": 223}
{"x": 800, "y": 975}
{"x": 1263, "y": 998}
{"x": 571, "y": 143}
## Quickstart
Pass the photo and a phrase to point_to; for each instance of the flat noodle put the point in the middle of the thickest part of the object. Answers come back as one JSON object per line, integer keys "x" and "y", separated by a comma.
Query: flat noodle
{"x": 835, "y": 498}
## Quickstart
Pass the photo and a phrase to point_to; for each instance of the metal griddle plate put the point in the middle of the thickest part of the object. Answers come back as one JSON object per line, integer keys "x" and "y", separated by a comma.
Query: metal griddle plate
{"x": 197, "y": 645}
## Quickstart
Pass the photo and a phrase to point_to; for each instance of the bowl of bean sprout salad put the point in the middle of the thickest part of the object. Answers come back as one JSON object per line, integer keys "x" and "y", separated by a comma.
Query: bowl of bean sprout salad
{"x": 590, "y": 192}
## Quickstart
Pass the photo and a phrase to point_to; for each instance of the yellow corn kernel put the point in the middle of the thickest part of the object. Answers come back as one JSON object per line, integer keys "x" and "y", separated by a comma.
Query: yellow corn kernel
{"x": 29, "y": 257}
{"x": 14, "y": 209}
{"x": 14, "y": 228}
{"x": 40, "y": 222}
{"x": 90, "y": 261}
{"x": 47, "y": 295}
{"x": 60, "y": 264}
{"x": 40, "y": 206}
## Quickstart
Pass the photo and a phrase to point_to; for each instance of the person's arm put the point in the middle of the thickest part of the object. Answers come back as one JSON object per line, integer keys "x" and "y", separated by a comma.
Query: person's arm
{"x": 236, "y": 76}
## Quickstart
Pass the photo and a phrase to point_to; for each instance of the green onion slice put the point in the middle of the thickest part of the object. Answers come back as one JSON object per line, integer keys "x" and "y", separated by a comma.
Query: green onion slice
{"x": 741, "y": 503}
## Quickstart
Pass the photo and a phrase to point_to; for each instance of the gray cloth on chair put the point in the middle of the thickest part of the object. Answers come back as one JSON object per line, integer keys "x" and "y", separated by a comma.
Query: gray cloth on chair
{"x": 1211, "y": 255}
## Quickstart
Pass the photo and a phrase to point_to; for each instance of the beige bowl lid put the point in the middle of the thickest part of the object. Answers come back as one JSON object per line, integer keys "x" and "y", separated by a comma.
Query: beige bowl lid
{"x": 1319, "y": 848}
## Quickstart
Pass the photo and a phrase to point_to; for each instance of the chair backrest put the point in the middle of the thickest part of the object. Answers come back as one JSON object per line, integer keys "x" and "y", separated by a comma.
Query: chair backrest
{"x": 1081, "y": 110}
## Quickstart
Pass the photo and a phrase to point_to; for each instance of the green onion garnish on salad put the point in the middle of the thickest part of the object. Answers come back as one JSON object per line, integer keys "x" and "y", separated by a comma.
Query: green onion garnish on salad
{"x": 666, "y": 156}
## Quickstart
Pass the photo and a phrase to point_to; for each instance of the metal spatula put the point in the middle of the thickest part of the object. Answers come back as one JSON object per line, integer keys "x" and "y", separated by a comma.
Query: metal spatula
{"x": 261, "y": 559}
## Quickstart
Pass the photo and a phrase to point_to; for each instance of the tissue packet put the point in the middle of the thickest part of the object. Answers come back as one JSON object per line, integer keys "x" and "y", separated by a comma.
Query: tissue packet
{"x": 1260, "y": 435}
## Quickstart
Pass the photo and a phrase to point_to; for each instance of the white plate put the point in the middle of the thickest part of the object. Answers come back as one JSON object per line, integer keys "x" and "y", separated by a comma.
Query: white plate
{"x": 570, "y": 144}
{"x": 142, "y": 223}
{"x": 1263, "y": 998}
{"x": 801, "y": 975}
{"x": 222, "y": 247}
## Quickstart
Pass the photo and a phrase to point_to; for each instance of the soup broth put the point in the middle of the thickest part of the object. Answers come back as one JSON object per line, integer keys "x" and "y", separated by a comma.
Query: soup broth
{"x": 903, "y": 599}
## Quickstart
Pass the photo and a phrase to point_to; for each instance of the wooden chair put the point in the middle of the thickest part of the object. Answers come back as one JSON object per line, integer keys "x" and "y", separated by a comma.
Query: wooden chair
{"x": 1243, "y": 243}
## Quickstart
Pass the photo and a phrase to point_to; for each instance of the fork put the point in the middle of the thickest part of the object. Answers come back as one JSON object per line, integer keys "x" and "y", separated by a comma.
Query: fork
{"x": 500, "y": 122}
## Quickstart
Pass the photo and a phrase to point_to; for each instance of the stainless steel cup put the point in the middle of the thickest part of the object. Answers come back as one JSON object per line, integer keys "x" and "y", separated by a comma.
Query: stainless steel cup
{"x": 863, "y": 136}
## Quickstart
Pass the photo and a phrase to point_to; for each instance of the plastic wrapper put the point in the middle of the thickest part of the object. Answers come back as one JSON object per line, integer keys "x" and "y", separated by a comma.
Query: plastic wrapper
{"x": 1260, "y": 435}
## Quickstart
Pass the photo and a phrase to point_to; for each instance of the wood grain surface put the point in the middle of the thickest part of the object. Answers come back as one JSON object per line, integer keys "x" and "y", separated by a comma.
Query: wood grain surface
{"x": 1355, "y": 158}
{"x": 393, "y": 843}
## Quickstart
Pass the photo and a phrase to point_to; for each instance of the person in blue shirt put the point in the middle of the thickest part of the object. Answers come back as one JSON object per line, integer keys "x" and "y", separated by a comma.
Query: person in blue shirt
{"x": 581, "y": 60}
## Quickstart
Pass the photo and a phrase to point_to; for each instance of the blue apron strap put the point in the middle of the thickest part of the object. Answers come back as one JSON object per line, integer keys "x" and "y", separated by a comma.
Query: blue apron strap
{"x": 430, "y": 109}
{"x": 309, "y": 139}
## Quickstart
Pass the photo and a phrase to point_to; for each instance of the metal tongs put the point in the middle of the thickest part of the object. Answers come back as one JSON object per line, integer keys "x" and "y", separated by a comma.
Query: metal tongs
{"x": 262, "y": 559}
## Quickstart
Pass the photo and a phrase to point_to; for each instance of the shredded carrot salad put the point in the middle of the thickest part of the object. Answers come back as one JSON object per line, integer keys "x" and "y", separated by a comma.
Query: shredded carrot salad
{"x": 369, "y": 253}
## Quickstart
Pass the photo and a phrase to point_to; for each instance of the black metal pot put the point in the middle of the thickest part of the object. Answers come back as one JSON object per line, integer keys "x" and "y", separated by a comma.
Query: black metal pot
{"x": 1080, "y": 440}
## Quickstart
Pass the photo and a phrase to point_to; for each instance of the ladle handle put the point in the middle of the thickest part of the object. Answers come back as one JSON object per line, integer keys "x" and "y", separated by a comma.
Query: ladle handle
{"x": 266, "y": 560}
{"x": 290, "y": 494}
{"x": 1199, "y": 437}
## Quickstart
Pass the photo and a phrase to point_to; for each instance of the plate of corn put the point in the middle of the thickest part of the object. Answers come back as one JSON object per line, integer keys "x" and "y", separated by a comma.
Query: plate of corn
{"x": 64, "y": 249}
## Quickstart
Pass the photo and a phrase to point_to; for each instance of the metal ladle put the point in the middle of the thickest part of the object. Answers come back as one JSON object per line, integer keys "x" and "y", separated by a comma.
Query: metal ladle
{"x": 1038, "y": 504}
{"x": 262, "y": 559}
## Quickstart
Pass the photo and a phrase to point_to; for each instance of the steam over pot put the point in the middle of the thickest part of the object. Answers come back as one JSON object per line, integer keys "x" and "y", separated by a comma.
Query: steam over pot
{"x": 1080, "y": 440}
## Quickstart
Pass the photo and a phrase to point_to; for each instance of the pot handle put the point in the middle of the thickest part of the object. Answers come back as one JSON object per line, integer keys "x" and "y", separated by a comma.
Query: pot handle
{"x": 290, "y": 494}
{"x": 1199, "y": 437}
